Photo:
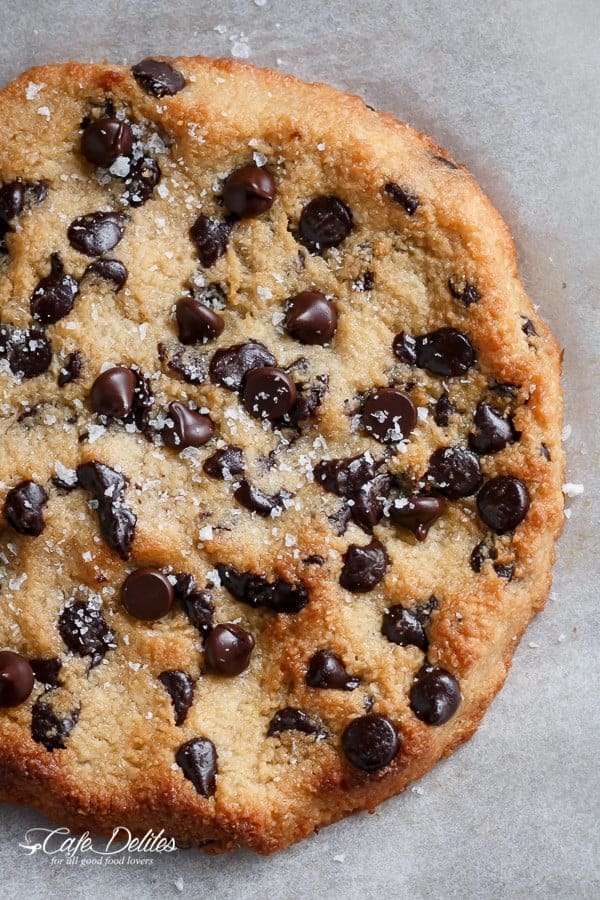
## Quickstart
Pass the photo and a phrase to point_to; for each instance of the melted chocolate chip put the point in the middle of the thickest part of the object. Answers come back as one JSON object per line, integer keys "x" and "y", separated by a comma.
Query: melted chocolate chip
{"x": 197, "y": 322}
{"x": 47, "y": 671}
{"x": 48, "y": 727}
{"x": 405, "y": 349}
{"x": 364, "y": 567}
{"x": 106, "y": 139}
{"x": 249, "y": 191}
{"x": 198, "y": 605}
{"x": 189, "y": 429}
{"x": 403, "y": 196}
{"x": 85, "y": 631}
{"x": 443, "y": 409}
{"x": 435, "y": 695}
{"x": 446, "y": 352}
{"x": 255, "y": 590}
{"x": 493, "y": 431}
{"x": 111, "y": 270}
{"x": 96, "y": 233}
{"x": 325, "y": 222}
{"x": 180, "y": 688}
{"x": 417, "y": 514}
{"x": 311, "y": 318}
{"x": 29, "y": 351}
{"x": 158, "y": 77}
{"x": 16, "y": 679}
{"x": 230, "y": 365}
{"x": 504, "y": 570}
{"x": 191, "y": 364}
{"x": 268, "y": 393}
{"x": 147, "y": 594}
{"x": 113, "y": 392}
{"x": 388, "y": 415}
{"x": 71, "y": 370}
{"x": 455, "y": 472}
{"x": 310, "y": 397}
{"x": 198, "y": 761}
{"x": 371, "y": 742}
{"x": 327, "y": 670}
{"x": 292, "y": 719}
{"x": 464, "y": 291}
{"x": 23, "y": 508}
{"x": 117, "y": 521}
{"x": 143, "y": 177}
{"x": 225, "y": 463}
{"x": 482, "y": 551}
{"x": 503, "y": 502}
{"x": 402, "y": 627}
{"x": 356, "y": 479}
{"x": 211, "y": 237}
{"x": 255, "y": 500}
{"x": 228, "y": 649}
{"x": 528, "y": 328}
{"x": 55, "y": 294}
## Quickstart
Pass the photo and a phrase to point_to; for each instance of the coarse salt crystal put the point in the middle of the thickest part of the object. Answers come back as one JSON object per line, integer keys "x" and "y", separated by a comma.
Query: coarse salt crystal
{"x": 206, "y": 533}
{"x": 33, "y": 89}
{"x": 44, "y": 111}
{"x": 572, "y": 490}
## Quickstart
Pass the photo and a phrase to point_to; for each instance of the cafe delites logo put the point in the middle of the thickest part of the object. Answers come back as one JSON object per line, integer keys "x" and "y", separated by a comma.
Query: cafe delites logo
{"x": 122, "y": 848}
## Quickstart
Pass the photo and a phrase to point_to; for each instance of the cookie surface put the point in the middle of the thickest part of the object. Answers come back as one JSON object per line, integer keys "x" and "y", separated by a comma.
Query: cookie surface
{"x": 280, "y": 451}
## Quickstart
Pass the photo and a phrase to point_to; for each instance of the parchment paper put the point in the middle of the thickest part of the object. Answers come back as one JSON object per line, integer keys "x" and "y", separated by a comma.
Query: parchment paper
{"x": 510, "y": 88}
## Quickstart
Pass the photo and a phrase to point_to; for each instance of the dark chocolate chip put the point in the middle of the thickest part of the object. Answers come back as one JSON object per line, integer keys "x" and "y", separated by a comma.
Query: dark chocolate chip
{"x": 16, "y": 679}
{"x": 55, "y": 294}
{"x": 464, "y": 291}
{"x": 446, "y": 352}
{"x": 311, "y": 318}
{"x": 84, "y": 630}
{"x": 417, "y": 514}
{"x": 143, "y": 177}
{"x": 310, "y": 397}
{"x": 225, "y": 463}
{"x": 388, "y": 415}
{"x": 198, "y": 761}
{"x": 23, "y": 508}
{"x": 96, "y": 233}
{"x": 198, "y": 605}
{"x": 29, "y": 352}
{"x": 493, "y": 431}
{"x": 147, "y": 594}
{"x": 443, "y": 409}
{"x": 403, "y": 196}
{"x": 364, "y": 567}
{"x": 327, "y": 670}
{"x": 229, "y": 365}
{"x": 197, "y": 322}
{"x": 481, "y": 551}
{"x": 504, "y": 570}
{"x": 255, "y": 500}
{"x": 180, "y": 688}
{"x": 249, "y": 191}
{"x": 325, "y": 222}
{"x": 528, "y": 328}
{"x": 371, "y": 742}
{"x": 255, "y": 590}
{"x": 228, "y": 649}
{"x": 111, "y": 270}
{"x": 268, "y": 393}
{"x": 365, "y": 282}
{"x": 356, "y": 479}
{"x": 403, "y": 627}
{"x": 211, "y": 237}
{"x": 106, "y": 139}
{"x": 117, "y": 520}
{"x": 405, "y": 348}
{"x": 455, "y": 472}
{"x": 158, "y": 77}
{"x": 190, "y": 428}
{"x": 71, "y": 370}
{"x": 369, "y": 501}
{"x": 292, "y": 719}
{"x": 113, "y": 392}
{"x": 434, "y": 695}
{"x": 503, "y": 502}
{"x": 314, "y": 560}
{"x": 47, "y": 671}
{"x": 50, "y": 728}
{"x": 189, "y": 362}
{"x": 12, "y": 200}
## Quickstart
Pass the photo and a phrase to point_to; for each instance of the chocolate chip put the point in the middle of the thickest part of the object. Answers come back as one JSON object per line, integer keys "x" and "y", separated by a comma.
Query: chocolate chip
{"x": 292, "y": 719}
{"x": 71, "y": 370}
{"x": 311, "y": 318}
{"x": 339, "y": 519}
{"x": 16, "y": 679}
{"x": 255, "y": 500}
{"x": 46, "y": 671}
{"x": 464, "y": 291}
{"x": 249, "y": 191}
{"x": 211, "y": 237}
{"x": 369, "y": 502}
{"x": 50, "y": 728}
{"x": 325, "y": 222}
{"x": 198, "y": 605}
{"x": 225, "y": 463}
{"x": 96, "y": 233}
{"x": 417, "y": 514}
{"x": 180, "y": 688}
{"x": 405, "y": 348}
{"x": 528, "y": 328}
{"x": 327, "y": 670}
{"x": 113, "y": 392}
{"x": 455, "y": 472}
{"x": 403, "y": 196}
{"x": 364, "y": 567}
{"x": 23, "y": 508}
{"x": 228, "y": 649}
{"x": 158, "y": 78}
{"x": 356, "y": 479}
{"x": 117, "y": 521}
{"x": 370, "y": 742}
{"x": 197, "y": 322}
{"x": 493, "y": 431}
{"x": 229, "y": 365}
{"x": 443, "y": 409}
{"x": 29, "y": 351}
{"x": 143, "y": 177}
{"x": 36, "y": 191}
{"x": 310, "y": 397}
{"x": 255, "y": 590}
{"x": 268, "y": 393}
{"x": 446, "y": 352}
{"x": 190, "y": 363}
{"x": 504, "y": 570}
{"x": 198, "y": 761}
{"x": 85, "y": 631}
{"x": 402, "y": 627}
{"x": 111, "y": 270}
{"x": 480, "y": 553}
{"x": 106, "y": 139}
{"x": 147, "y": 594}
{"x": 55, "y": 294}
{"x": 12, "y": 200}
{"x": 189, "y": 429}
{"x": 434, "y": 695}
{"x": 503, "y": 502}
{"x": 388, "y": 415}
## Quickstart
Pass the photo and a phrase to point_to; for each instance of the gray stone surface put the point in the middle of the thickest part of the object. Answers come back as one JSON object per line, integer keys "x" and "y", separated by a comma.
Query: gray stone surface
{"x": 509, "y": 87}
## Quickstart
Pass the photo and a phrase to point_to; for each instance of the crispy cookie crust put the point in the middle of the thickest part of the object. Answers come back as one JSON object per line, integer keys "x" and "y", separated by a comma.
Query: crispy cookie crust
{"x": 117, "y": 766}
